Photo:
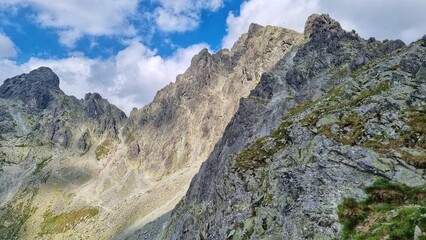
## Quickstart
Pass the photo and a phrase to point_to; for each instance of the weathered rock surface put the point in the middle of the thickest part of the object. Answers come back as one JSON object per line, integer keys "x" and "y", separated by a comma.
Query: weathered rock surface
{"x": 35, "y": 89}
{"x": 188, "y": 117}
{"x": 323, "y": 115}
{"x": 323, "y": 124}
{"x": 44, "y": 135}
{"x": 86, "y": 171}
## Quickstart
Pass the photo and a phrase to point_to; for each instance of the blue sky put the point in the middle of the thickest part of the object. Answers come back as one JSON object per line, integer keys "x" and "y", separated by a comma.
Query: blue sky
{"x": 33, "y": 38}
{"x": 129, "y": 49}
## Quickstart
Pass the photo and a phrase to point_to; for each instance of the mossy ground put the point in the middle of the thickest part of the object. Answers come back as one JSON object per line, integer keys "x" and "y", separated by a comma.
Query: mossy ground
{"x": 392, "y": 211}
{"x": 103, "y": 149}
{"x": 414, "y": 139}
{"x": 257, "y": 153}
{"x": 14, "y": 215}
{"x": 65, "y": 221}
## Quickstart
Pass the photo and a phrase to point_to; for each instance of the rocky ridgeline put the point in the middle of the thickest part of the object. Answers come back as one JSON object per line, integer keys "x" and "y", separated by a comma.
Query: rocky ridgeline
{"x": 330, "y": 126}
{"x": 328, "y": 120}
{"x": 189, "y": 116}
{"x": 41, "y": 128}
{"x": 44, "y": 111}
{"x": 79, "y": 168}
{"x": 34, "y": 89}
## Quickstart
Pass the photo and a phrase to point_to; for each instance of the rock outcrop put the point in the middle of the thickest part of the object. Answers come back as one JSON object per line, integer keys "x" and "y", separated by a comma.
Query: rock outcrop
{"x": 322, "y": 125}
{"x": 188, "y": 117}
{"x": 85, "y": 170}
{"x": 303, "y": 134}
{"x": 35, "y": 89}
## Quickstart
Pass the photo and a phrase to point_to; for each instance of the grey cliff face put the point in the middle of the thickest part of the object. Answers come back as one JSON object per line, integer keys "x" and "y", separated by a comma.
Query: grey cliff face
{"x": 35, "y": 88}
{"x": 307, "y": 136}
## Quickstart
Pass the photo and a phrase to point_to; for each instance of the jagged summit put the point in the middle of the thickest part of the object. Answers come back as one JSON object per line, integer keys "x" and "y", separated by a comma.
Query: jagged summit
{"x": 94, "y": 96}
{"x": 34, "y": 88}
{"x": 319, "y": 23}
{"x": 327, "y": 121}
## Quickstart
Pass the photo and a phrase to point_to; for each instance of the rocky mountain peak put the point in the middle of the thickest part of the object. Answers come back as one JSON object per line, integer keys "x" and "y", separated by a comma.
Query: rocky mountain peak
{"x": 201, "y": 59}
{"x": 254, "y": 27}
{"x": 92, "y": 96}
{"x": 320, "y": 23}
{"x": 44, "y": 75}
{"x": 34, "y": 88}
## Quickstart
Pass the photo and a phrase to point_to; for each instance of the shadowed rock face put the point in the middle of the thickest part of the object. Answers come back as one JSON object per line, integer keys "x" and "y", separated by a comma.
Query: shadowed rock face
{"x": 35, "y": 88}
{"x": 312, "y": 132}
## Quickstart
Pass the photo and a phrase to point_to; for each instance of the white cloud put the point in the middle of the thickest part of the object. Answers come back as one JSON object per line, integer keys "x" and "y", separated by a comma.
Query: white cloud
{"x": 383, "y": 19}
{"x": 8, "y": 69}
{"x": 130, "y": 79}
{"x": 182, "y": 15}
{"x": 172, "y": 22}
{"x": 75, "y": 18}
{"x": 7, "y": 47}
{"x": 288, "y": 13}
{"x": 140, "y": 73}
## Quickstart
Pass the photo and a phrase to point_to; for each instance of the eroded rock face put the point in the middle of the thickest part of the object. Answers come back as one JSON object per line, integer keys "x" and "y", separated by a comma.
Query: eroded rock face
{"x": 320, "y": 126}
{"x": 188, "y": 117}
{"x": 40, "y": 129}
{"x": 35, "y": 88}
{"x": 84, "y": 158}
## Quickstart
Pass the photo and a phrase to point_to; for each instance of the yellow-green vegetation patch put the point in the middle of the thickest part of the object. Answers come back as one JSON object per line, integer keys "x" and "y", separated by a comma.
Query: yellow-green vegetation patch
{"x": 41, "y": 165}
{"x": 392, "y": 211}
{"x": 414, "y": 139}
{"x": 301, "y": 108}
{"x": 352, "y": 126}
{"x": 103, "y": 149}
{"x": 254, "y": 156}
{"x": 393, "y": 68}
{"x": 54, "y": 224}
{"x": 381, "y": 87}
{"x": 14, "y": 215}
{"x": 257, "y": 153}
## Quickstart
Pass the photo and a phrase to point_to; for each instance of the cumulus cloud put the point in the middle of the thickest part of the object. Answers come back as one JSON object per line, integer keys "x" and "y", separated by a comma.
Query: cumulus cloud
{"x": 7, "y": 47}
{"x": 140, "y": 72}
{"x": 288, "y": 13}
{"x": 383, "y": 19}
{"x": 182, "y": 15}
{"x": 129, "y": 79}
{"x": 75, "y": 18}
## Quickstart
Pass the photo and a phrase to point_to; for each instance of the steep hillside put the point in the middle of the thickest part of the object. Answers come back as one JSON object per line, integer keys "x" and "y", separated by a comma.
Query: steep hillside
{"x": 297, "y": 158}
{"x": 79, "y": 168}
{"x": 40, "y": 126}
{"x": 188, "y": 117}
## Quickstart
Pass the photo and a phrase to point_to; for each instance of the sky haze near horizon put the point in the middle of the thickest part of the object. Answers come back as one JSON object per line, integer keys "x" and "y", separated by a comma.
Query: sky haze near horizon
{"x": 127, "y": 50}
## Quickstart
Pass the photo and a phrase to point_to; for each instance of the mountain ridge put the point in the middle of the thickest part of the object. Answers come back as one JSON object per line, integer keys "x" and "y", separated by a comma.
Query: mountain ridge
{"x": 290, "y": 126}
{"x": 86, "y": 158}
{"x": 286, "y": 162}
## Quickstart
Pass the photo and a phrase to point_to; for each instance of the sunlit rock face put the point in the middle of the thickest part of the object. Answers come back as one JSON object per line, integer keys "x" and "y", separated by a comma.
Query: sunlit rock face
{"x": 79, "y": 168}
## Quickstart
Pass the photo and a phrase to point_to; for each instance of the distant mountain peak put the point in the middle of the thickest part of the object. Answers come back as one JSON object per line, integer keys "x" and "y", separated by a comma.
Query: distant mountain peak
{"x": 44, "y": 75}
{"x": 319, "y": 23}
{"x": 34, "y": 88}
